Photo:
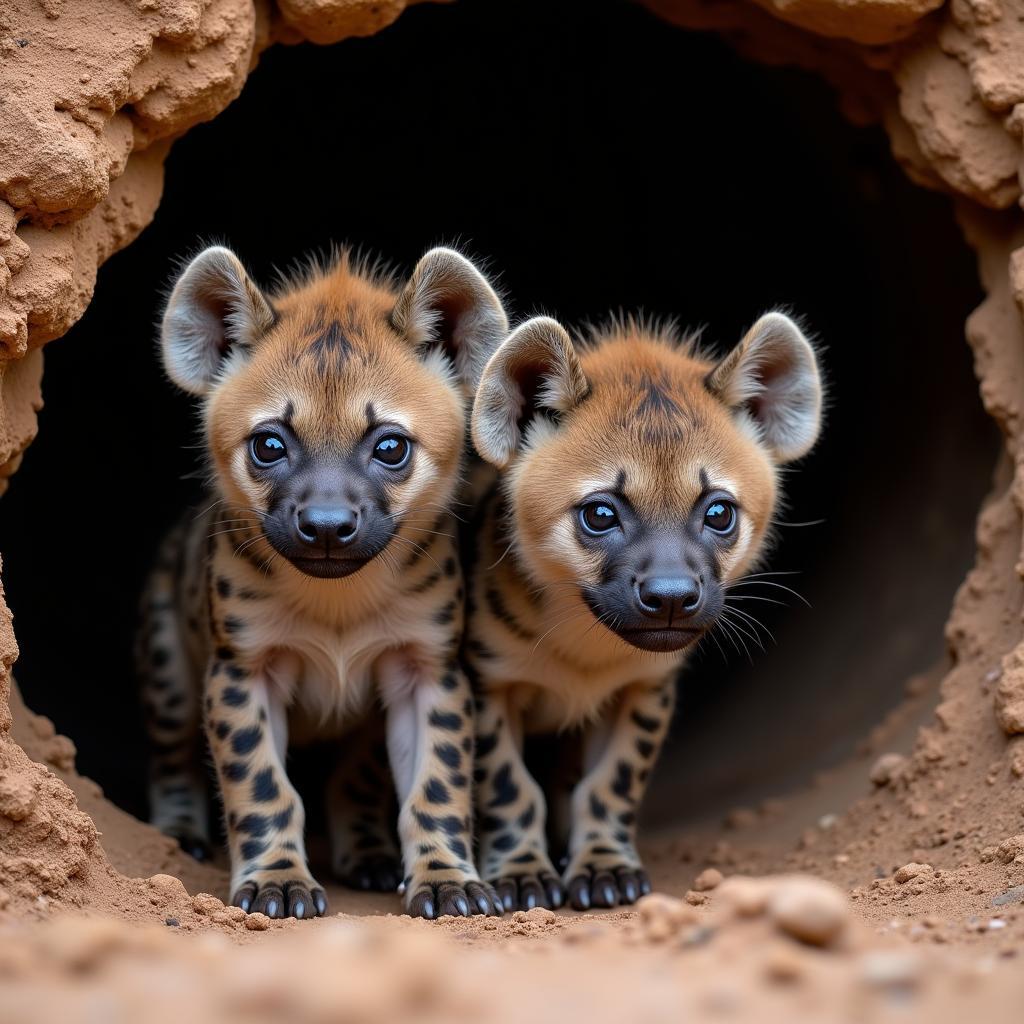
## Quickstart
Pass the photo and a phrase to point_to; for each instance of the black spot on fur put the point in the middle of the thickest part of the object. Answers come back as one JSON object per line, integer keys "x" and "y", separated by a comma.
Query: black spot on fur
{"x": 644, "y": 748}
{"x": 458, "y": 847}
{"x": 523, "y": 858}
{"x": 245, "y": 741}
{"x": 427, "y": 822}
{"x": 222, "y": 729}
{"x": 623, "y": 781}
{"x": 264, "y": 786}
{"x": 451, "y": 567}
{"x": 223, "y": 586}
{"x": 485, "y": 744}
{"x": 225, "y": 653}
{"x": 458, "y": 780}
{"x": 490, "y": 823}
{"x": 526, "y": 819}
{"x": 448, "y": 754}
{"x": 504, "y": 842}
{"x": 254, "y": 825}
{"x": 439, "y": 865}
{"x": 598, "y": 808}
{"x": 236, "y": 672}
{"x": 234, "y": 696}
{"x": 159, "y": 657}
{"x": 233, "y": 624}
{"x": 236, "y": 771}
{"x": 505, "y": 790}
{"x": 253, "y": 848}
{"x": 446, "y": 614}
{"x": 436, "y": 792}
{"x": 445, "y": 720}
{"x": 281, "y": 864}
{"x": 283, "y": 819}
{"x": 645, "y": 722}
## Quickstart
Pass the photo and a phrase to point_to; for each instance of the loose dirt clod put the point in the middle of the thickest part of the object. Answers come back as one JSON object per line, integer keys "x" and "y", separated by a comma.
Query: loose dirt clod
{"x": 809, "y": 909}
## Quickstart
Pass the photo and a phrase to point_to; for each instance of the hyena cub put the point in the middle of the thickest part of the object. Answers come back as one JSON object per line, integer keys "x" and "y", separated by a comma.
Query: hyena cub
{"x": 324, "y": 576}
{"x": 639, "y": 480}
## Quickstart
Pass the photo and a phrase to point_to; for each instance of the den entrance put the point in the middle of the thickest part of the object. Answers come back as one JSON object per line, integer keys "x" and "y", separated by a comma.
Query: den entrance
{"x": 601, "y": 160}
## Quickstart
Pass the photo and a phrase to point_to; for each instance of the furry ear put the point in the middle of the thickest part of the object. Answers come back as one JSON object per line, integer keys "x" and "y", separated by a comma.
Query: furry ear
{"x": 448, "y": 303}
{"x": 772, "y": 376}
{"x": 536, "y": 367}
{"x": 214, "y": 310}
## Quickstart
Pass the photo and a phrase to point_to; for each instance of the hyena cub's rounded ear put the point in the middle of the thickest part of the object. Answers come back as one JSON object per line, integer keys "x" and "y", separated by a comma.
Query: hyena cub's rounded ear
{"x": 535, "y": 368}
{"x": 215, "y": 310}
{"x": 449, "y": 305}
{"x": 772, "y": 377}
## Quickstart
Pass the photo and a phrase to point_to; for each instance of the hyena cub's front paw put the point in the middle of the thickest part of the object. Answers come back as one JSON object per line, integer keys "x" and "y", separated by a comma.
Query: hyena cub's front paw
{"x": 603, "y": 880}
{"x": 451, "y": 898}
{"x": 281, "y": 894}
{"x": 525, "y": 881}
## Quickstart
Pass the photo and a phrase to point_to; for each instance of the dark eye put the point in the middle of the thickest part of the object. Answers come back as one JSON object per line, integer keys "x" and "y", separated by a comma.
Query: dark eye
{"x": 267, "y": 448}
{"x": 720, "y": 516}
{"x": 597, "y": 517}
{"x": 392, "y": 451}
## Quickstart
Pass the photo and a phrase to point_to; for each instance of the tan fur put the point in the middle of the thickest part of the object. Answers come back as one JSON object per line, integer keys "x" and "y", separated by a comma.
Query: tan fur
{"x": 631, "y": 406}
{"x": 290, "y": 657}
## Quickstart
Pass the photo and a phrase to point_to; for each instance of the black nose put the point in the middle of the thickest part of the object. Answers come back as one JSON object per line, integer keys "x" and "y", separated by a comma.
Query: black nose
{"x": 326, "y": 527}
{"x": 669, "y": 599}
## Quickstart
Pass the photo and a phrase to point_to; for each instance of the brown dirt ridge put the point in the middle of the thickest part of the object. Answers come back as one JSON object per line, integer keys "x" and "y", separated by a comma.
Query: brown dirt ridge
{"x": 905, "y": 900}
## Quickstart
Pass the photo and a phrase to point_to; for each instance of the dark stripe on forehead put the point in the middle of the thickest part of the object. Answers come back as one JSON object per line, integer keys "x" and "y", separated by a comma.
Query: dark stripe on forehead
{"x": 371, "y": 415}
{"x": 705, "y": 482}
{"x": 329, "y": 343}
{"x": 289, "y": 413}
{"x": 620, "y": 482}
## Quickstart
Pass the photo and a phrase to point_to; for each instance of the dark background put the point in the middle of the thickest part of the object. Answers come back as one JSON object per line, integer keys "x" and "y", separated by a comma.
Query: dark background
{"x": 600, "y": 159}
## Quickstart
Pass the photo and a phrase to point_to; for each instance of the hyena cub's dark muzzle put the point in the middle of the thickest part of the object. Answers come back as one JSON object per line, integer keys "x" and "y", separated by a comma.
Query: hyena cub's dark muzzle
{"x": 660, "y": 589}
{"x": 329, "y": 514}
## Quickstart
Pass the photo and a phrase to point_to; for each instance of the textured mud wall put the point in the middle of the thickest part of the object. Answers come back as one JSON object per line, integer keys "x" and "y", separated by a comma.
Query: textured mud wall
{"x": 94, "y": 92}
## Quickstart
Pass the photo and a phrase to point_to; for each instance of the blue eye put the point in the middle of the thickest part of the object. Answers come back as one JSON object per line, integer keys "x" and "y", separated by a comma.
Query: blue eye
{"x": 597, "y": 517}
{"x": 720, "y": 517}
{"x": 392, "y": 451}
{"x": 267, "y": 448}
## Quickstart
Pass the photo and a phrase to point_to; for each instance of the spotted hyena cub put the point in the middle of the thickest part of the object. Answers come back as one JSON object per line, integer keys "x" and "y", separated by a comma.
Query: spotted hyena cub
{"x": 323, "y": 577}
{"x": 639, "y": 481}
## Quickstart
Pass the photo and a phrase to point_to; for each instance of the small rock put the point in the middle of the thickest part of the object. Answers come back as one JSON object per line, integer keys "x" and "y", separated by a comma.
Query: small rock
{"x": 167, "y": 885}
{"x": 912, "y": 870}
{"x": 783, "y": 965}
{"x": 171, "y": 922}
{"x": 709, "y": 878}
{"x": 541, "y": 915}
{"x": 748, "y": 897}
{"x": 662, "y": 916}
{"x": 886, "y": 768}
{"x": 694, "y": 898}
{"x": 809, "y": 909}
{"x": 257, "y": 922}
{"x": 206, "y": 904}
{"x": 1014, "y": 895}
{"x": 890, "y": 969}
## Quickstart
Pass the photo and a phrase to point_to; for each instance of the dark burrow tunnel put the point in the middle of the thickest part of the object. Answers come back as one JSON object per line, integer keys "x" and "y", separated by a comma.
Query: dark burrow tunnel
{"x": 599, "y": 160}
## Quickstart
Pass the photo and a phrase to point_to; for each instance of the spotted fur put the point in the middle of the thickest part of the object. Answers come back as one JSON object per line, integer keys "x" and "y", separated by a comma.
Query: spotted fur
{"x": 560, "y": 638}
{"x": 274, "y": 629}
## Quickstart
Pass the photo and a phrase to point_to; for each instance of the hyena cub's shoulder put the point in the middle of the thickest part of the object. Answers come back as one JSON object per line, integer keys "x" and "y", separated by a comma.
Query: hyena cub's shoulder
{"x": 334, "y": 419}
{"x": 639, "y": 481}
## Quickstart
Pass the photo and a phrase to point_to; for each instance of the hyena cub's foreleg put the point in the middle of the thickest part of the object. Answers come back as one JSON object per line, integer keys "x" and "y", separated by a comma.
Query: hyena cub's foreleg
{"x": 248, "y": 735}
{"x": 178, "y": 800}
{"x": 430, "y": 742}
{"x": 511, "y": 812}
{"x": 604, "y": 868}
{"x": 361, "y": 811}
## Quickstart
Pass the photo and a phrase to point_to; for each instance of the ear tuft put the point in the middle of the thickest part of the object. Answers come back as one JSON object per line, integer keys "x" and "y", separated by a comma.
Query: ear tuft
{"x": 772, "y": 376}
{"x": 214, "y": 310}
{"x": 536, "y": 367}
{"x": 448, "y": 303}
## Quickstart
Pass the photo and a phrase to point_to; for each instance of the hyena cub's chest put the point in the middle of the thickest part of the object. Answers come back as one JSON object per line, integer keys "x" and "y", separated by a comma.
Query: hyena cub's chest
{"x": 316, "y": 646}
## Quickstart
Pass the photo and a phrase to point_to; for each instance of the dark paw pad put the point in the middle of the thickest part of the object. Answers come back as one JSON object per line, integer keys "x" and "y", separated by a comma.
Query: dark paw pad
{"x": 381, "y": 873}
{"x": 607, "y": 887}
{"x": 524, "y": 892}
{"x": 447, "y": 899}
{"x": 295, "y": 899}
